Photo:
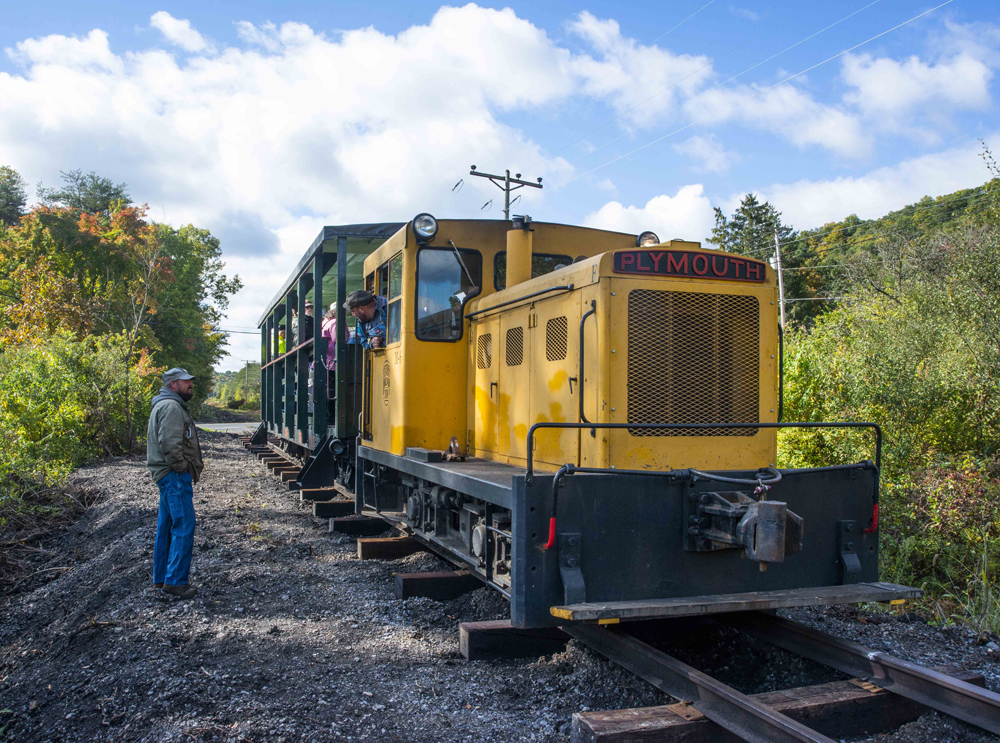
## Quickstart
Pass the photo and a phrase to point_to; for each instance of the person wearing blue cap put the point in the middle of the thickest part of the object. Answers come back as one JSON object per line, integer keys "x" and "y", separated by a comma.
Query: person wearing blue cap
{"x": 173, "y": 457}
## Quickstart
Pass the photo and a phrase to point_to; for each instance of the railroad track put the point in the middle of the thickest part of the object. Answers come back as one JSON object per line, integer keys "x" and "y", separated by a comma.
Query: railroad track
{"x": 761, "y": 718}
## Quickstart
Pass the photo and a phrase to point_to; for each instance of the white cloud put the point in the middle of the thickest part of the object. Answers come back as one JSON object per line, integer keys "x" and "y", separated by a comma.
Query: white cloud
{"x": 179, "y": 31}
{"x": 888, "y": 88}
{"x": 707, "y": 153}
{"x": 808, "y": 204}
{"x": 788, "y": 111}
{"x": 646, "y": 78}
{"x": 92, "y": 51}
{"x": 687, "y": 215}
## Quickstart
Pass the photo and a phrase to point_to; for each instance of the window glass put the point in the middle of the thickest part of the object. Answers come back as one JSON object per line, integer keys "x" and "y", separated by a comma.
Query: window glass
{"x": 393, "y": 322}
{"x": 383, "y": 280}
{"x": 541, "y": 264}
{"x": 446, "y": 279}
{"x": 396, "y": 276}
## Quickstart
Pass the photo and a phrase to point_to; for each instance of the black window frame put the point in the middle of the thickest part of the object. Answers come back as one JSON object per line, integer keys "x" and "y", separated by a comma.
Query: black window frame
{"x": 496, "y": 261}
{"x": 416, "y": 291}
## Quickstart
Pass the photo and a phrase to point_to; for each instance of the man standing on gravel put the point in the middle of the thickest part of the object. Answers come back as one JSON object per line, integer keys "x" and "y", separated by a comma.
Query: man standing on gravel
{"x": 173, "y": 457}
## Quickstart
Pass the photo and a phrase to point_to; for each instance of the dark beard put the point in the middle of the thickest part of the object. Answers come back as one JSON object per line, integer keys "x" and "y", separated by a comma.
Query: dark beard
{"x": 186, "y": 396}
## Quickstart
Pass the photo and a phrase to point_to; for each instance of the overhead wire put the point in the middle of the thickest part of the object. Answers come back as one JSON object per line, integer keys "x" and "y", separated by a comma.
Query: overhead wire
{"x": 754, "y": 94}
{"x": 719, "y": 85}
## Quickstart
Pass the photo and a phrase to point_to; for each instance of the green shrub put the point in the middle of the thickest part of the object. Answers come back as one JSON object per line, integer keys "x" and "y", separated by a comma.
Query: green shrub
{"x": 64, "y": 402}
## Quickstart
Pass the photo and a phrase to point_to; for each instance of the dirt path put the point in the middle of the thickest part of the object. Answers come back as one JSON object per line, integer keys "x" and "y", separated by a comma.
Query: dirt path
{"x": 293, "y": 639}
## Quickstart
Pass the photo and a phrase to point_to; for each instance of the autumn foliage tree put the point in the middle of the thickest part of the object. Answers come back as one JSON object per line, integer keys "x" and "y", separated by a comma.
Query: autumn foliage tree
{"x": 91, "y": 286}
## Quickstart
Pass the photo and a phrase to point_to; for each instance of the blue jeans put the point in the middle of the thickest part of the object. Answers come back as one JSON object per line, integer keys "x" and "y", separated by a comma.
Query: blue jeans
{"x": 174, "y": 530}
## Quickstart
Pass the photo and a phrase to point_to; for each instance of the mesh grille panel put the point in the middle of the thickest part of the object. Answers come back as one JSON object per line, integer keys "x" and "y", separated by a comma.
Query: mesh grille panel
{"x": 555, "y": 339}
{"x": 484, "y": 351}
{"x": 693, "y": 358}
{"x": 514, "y": 353}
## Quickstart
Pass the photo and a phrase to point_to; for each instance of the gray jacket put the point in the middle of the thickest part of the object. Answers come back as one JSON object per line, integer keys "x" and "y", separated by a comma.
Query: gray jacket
{"x": 171, "y": 438}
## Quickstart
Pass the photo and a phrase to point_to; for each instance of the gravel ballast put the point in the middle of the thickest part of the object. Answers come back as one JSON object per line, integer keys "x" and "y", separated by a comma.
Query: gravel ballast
{"x": 292, "y": 638}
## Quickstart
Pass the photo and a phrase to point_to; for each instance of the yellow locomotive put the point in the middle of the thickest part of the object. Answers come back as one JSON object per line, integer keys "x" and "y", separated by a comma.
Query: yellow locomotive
{"x": 585, "y": 419}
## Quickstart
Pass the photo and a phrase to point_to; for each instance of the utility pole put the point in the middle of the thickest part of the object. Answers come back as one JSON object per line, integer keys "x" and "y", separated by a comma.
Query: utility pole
{"x": 781, "y": 275}
{"x": 506, "y": 180}
{"x": 246, "y": 384}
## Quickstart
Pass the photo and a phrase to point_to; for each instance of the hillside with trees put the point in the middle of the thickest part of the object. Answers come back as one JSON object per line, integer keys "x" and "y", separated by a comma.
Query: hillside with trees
{"x": 237, "y": 389}
{"x": 96, "y": 300}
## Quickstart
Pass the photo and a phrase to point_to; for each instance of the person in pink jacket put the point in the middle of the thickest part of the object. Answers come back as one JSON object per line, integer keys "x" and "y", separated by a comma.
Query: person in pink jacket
{"x": 330, "y": 333}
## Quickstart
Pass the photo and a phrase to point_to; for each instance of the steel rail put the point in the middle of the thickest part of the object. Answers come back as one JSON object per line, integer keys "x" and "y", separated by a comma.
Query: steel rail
{"x": 744, "y": 716}
{"x": 979, "y": 707}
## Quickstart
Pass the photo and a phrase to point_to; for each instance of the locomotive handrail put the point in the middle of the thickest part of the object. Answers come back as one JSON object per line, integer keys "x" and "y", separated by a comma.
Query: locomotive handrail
{"x": 530, "y": 473}
{"x": 568, "y": 288}
{"x": 707, "y": 426}
{"x": 781, "y": 372}
{"x": 583, "y": 320}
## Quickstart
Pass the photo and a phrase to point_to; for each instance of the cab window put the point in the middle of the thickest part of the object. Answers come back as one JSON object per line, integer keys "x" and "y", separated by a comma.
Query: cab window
{"x": 394, "y": 293}
{"x": 541, "y": 264}
{"x": 446, "y": 279}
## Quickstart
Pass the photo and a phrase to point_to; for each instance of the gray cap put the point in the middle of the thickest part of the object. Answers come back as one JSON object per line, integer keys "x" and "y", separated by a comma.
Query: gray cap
{"x": 358, "y": 298}
{"x": 176, "y": 374}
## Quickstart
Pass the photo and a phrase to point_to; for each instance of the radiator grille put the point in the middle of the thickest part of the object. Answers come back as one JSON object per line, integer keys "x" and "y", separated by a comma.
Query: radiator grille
{"x": 555, "y": 339}
{"x": 693, "y": 358}
{"x": 514, "y": 352}
{"x": 484, "y": 351}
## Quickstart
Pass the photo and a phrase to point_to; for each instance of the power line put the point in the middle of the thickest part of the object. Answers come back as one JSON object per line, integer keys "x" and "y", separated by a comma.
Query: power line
{"x": 755, "y": 94}
{"x": 198, "y": 327}
{"x": 725, "y": 82}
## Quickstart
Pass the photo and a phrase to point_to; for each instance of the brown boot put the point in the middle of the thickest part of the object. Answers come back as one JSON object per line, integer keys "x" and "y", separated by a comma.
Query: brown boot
{"x": 183, "y": 591}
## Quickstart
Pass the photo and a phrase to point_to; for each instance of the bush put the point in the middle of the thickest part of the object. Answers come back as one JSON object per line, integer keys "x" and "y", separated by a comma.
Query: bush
{"x": 63, "y": 402}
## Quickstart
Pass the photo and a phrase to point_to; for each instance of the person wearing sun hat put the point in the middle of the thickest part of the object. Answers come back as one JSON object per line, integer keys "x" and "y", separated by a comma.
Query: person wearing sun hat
{"x": 173, "y": 457}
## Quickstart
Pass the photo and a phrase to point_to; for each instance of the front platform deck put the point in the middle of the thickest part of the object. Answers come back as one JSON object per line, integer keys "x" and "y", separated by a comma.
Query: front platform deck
{"x": 687, "y": 606}
{"x": 479, "y": 478}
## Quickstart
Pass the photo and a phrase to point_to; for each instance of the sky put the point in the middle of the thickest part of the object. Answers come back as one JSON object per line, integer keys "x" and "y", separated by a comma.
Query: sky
{"x": 263, "y": 121}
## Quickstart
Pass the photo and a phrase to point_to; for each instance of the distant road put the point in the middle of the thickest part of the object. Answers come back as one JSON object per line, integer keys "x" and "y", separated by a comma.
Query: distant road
{"x": 228, "y": 427}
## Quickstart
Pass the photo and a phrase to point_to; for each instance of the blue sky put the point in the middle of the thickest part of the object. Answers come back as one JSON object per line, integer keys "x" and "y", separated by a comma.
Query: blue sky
{"x": 263, "y": 122}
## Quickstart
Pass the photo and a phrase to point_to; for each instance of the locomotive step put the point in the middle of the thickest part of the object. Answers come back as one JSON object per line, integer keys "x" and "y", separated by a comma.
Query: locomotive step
{"x": 855, "y": 593}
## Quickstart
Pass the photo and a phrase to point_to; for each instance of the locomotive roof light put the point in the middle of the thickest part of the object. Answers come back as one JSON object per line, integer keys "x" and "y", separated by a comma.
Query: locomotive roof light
{"x": 646, "y": 239}
{"x": 425, "y": 227}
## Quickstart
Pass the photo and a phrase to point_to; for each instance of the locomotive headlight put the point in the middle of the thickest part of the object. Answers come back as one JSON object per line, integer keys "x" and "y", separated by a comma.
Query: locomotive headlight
{"x": 425, "y": 227}
{"x": 646, "y": 239}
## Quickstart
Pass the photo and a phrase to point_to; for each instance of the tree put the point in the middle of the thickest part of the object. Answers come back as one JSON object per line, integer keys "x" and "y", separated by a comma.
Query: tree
{"x": 13, "y": 196}
{"x": 88, "y": 193}
{"x": 751, "y": 229}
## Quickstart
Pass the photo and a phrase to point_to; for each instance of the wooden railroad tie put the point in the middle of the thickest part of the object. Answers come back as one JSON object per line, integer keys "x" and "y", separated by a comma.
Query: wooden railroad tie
{"x": 319, "y": 494}
{"x": 498, "y": 639}
{"x": 443, "y": 586}
{"x": 839, "y": 709}
{"x": 333, "y": 509}
{"x": 290, "y": 473}
{"x": 387, "y": 548}
{"x": 358, "y": 526}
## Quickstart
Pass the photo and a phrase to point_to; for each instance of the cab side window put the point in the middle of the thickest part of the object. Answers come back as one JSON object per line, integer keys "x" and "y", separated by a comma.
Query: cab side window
{"x": 446, "y": 279}
{"x": 394, "y": 293}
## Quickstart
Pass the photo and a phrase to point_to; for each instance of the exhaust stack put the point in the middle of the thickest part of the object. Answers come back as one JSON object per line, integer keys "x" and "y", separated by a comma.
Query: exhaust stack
{"x": 519, "y": 251}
